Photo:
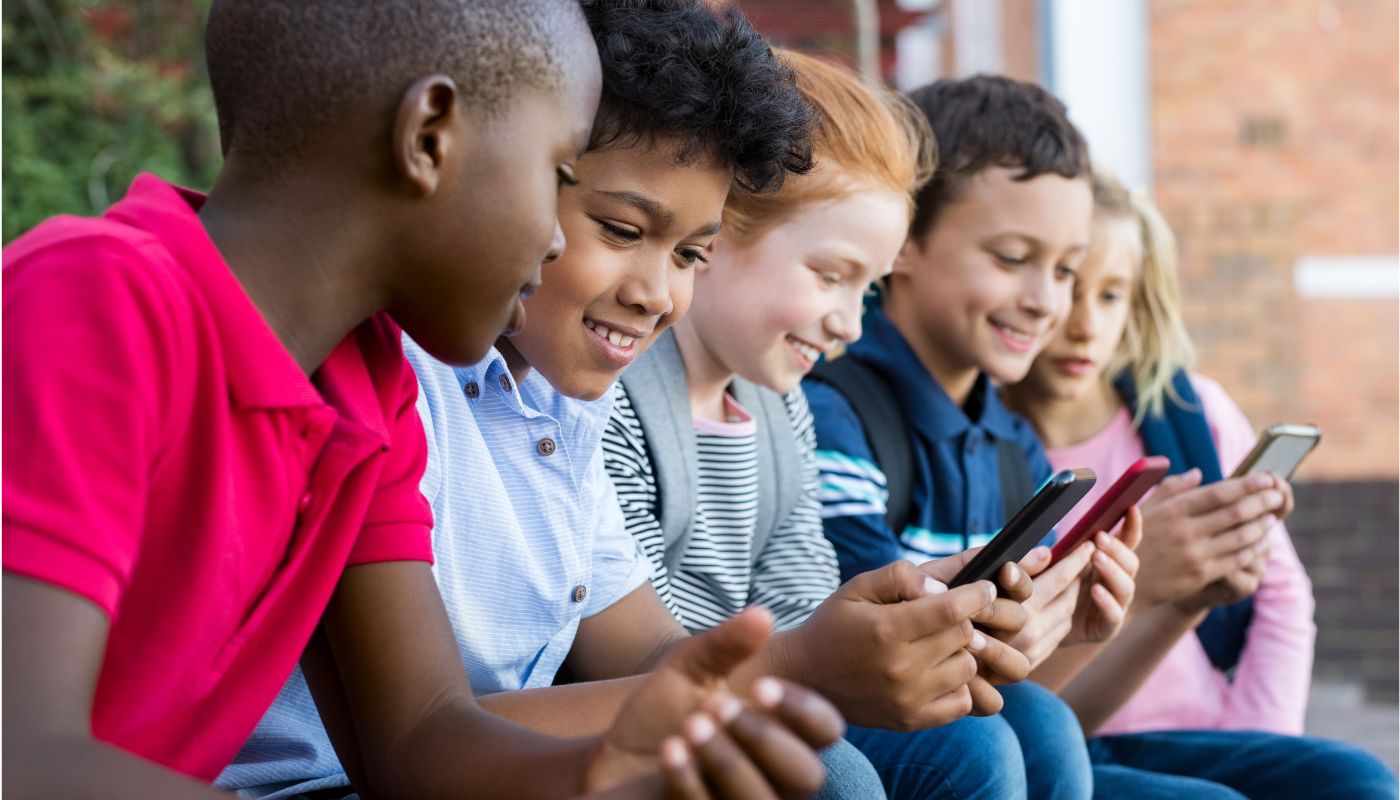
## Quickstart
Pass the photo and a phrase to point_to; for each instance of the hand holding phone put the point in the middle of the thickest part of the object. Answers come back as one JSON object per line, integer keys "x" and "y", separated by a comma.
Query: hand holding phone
{"x": 1108, "y": 511}
{"x": 1035, "y": 519}
{"x": 1280, "y": 449}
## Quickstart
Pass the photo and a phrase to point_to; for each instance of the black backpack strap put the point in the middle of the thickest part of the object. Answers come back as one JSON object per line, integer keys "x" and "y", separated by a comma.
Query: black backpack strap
{"x": 886, "y": 432}
{"x": 1017, "y": 486}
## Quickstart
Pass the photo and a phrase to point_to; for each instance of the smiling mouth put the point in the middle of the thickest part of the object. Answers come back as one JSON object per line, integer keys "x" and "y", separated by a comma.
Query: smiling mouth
{"x": 617, "y": 338}
{"x": 808, "y": 352}
{"x": 616, "y": 347}
{"x": 1015, "y": 339}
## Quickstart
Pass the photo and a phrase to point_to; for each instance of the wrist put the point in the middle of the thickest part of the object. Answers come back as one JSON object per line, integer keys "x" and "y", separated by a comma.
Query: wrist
{"x": 780, "y": 657}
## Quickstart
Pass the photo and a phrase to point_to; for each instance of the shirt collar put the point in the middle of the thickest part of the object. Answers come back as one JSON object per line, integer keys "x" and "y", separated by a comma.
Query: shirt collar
{"x": 261, "y": 371}
{"x": 930, "y": 409}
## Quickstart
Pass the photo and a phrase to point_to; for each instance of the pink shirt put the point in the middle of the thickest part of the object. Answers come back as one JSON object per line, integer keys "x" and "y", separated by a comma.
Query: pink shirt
{"x": 166, "y": 459}
{"x": 1270, "y": 689}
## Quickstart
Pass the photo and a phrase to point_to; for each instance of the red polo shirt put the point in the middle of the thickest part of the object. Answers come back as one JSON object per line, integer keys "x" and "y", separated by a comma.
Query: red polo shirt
{"x": 166, "y": 458}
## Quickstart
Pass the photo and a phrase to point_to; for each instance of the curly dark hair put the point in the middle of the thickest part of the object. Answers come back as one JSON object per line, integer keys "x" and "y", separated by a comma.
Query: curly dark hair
{"x": 993, "y": 121}
{"x": 702, "y": 76}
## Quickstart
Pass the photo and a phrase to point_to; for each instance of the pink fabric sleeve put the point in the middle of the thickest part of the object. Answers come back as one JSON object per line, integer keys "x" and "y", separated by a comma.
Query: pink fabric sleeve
{"x": 1270, "y": 689}
{"x": 89, "y": 340}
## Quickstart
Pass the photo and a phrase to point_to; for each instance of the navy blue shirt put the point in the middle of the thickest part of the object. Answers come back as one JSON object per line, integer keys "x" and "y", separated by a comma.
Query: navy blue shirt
{"x": 956, "y": 494}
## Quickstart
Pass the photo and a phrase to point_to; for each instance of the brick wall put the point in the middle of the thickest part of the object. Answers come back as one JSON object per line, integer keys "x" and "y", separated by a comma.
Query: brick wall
{"x": 1275, "y": 137}
{"x": 1345, "y": 535}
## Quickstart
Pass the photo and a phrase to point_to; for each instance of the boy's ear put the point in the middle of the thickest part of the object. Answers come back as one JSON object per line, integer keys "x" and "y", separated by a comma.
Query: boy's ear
{"x": 909, "y": 253}
{"x": 426, "y": 131}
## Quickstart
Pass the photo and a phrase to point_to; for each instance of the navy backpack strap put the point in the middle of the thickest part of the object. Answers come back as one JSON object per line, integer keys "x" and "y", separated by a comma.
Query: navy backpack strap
{"x": 886, "y": 431}
{"x": 1182, "y": 434}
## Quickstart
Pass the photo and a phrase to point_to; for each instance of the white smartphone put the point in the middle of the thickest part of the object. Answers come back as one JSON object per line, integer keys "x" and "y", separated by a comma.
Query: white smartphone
{"x": 1281, "y": 448}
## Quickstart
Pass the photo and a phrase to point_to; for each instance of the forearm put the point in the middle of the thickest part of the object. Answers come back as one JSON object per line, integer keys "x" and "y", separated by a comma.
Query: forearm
{"x": 1065, "y": 664}
{"x": 1124, "y": 664}
{"x": 579, "y": 709}
{"x": 79, "y": 767}
{"x": 463, "y": 751}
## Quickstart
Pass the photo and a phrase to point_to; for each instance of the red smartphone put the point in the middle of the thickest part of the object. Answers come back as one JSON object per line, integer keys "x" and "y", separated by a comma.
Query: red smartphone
{"x": 1109, "y": 510}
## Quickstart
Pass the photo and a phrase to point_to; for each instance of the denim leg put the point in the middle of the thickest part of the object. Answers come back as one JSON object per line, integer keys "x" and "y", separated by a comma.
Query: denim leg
{"x": 1256, "y": 764}
{"x": 849, "y": 775}
{"x": 1056, "y": 758}
{"x": 1114, "y": 782}
{"x": 974, "y": 758}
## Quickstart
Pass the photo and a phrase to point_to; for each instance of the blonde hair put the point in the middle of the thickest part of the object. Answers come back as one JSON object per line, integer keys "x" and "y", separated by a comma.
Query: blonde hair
{"x": 1155, "y": 345}
{"x": 865, "y": 136}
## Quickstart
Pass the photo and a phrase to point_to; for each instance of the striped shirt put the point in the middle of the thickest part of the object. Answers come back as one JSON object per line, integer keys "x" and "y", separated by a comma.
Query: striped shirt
{"x": 718, "y": 575}
{"x": 528, "y": 539}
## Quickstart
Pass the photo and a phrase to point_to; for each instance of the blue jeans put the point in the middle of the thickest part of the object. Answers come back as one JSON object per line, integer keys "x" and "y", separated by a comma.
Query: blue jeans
{"x": 1205, "y": 765}
{"x": 1032, "y": 749}
{"x": 849, "y": 776}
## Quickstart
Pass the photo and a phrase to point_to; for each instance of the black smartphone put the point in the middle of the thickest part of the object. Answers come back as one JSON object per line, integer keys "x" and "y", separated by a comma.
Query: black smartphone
{"x": 1035, "y": 519}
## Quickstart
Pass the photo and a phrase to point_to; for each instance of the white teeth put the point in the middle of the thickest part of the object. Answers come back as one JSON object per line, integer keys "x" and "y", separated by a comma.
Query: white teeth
{"x": 1015, "y": 334}
{"x": 616, "y": 337}
{"x": 808, "y": 352}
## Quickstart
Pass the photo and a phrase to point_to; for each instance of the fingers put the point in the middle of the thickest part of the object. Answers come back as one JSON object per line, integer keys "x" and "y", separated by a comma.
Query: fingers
{"x": 1241, "y": 537}
{"x": 943, "y": 569}
{"x": 1115, "y": 576}
{"x": 1174, "y": 485}
{"x": 1223, "y": 493}
{"x": 950, "y": 707}
{"x": 1053, "y": 582}
{"x": 1130, "y": 535}
{"x": 806, "y": 713}
{"x": 933, "y": 614}
{"x": 679, "y": 771}
{"x": 1003, "y": 619}
{"x": 898, "y": 582}
{"x": 714, "y": 653}
{"x": 986, "y": 700}
{"x": 1112, "y": 608}
{"x": 1245, "y": 509}
{"x": 1016, "y": 584}
{"x": 1036, "y": 561}
{"x": 727, "y": 767}
{"x": 1002, "y": 663}
{"x": 1286, "y": 488}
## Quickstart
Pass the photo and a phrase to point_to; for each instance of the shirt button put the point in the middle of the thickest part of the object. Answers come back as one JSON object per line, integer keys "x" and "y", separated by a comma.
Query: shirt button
{"x": 545, "y": 446}
{"x": 473, "y": 391}
{"x": 580, "y": 592}
{"x": 505, "y": 384}
{"x": 304, "y": 502}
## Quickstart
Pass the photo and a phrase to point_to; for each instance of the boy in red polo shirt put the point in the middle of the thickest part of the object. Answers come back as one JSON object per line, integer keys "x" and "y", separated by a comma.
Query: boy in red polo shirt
{"x": 210, "y": 435}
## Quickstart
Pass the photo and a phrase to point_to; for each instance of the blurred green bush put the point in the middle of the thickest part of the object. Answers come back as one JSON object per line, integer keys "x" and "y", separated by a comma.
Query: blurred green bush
{"x": 95, "y": 92}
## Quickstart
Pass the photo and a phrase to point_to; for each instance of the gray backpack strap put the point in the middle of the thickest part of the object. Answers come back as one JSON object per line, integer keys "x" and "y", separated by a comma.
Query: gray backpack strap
{"x": 656, "y": 387}
{"x": 779, "y": 462}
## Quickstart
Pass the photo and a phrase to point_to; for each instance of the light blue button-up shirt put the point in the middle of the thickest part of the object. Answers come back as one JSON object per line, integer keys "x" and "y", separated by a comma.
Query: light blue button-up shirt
{"x": 528, "y": 536}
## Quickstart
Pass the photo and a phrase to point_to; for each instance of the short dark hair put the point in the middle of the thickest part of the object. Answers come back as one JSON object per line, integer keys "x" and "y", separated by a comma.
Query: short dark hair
{"x": 993, "y": 121}
{"x": 701, "y": 75}
{"x": 281, "y": 70}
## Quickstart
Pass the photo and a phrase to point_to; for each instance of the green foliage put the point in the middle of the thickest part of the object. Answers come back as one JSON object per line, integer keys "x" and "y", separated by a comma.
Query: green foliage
{"x": 96, "y": 92}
